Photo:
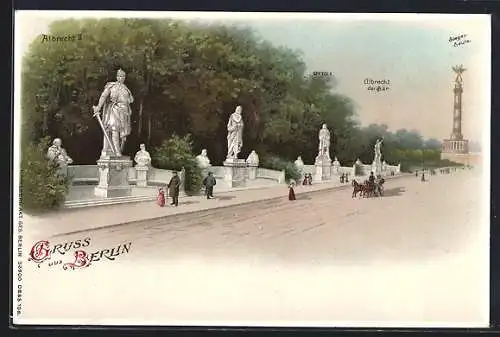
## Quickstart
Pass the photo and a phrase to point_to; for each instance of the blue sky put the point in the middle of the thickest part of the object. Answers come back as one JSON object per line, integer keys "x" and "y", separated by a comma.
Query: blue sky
{"x": 414, "y": 53}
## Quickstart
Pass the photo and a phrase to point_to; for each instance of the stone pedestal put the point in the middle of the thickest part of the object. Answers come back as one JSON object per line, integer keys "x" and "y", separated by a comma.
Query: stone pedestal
{"x": 323, "y": 168}
{"x": 377, "y": 168}
{"x": 252, "y": 171}
{"x": 141, "y": 175}
{"x": 235, "y": 172}
{"x": 113, "y": 177}
{"x": 336, "y": 167}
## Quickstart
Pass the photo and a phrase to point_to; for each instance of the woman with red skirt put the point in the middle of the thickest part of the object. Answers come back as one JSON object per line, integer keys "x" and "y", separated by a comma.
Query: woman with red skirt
{"x": 160, "y": 200}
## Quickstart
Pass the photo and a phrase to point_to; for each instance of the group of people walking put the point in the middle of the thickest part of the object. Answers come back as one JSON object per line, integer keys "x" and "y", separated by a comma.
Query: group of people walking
{"x": 173, "y": 188}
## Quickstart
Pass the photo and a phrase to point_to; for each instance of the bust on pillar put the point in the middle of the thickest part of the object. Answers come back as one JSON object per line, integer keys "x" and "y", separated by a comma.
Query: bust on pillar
{"x": 143, "y": 163}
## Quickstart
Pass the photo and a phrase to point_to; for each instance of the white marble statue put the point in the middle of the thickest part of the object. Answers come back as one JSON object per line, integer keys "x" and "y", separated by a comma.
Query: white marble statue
{"x": 115, "y": 103}
{"x": 202, "y": 160}
{"x": 299, "y": 164}
{"x": 142, "y": 157}
{"x": 324, "y": 141}
{"x": 58, "y": 154}
{"x": 253, "y": 158}
{"x": 378, "y": 153}
{"x": 235, "y": 134}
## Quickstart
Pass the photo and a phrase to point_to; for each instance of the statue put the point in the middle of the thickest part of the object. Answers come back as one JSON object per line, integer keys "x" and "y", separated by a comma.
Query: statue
{"x": 142, "y": 157}
{"x": 235, "y": 134}
{"x": 378, "y": 152}
{"x": 115, "y": 103}
{"x": 58, "y": 154}
{"x": 324, "y": 142}
{"x": 459, "y": 70}
{"x": 202, "y": 160}
{"x": 253, "y": 158}
{"x": 299, "y": 164}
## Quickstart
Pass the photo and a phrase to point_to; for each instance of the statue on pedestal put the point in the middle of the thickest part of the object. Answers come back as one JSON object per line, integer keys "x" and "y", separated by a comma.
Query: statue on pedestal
{"x": 202, "y": 160}
{"x": 235, "y": 134}
{"x": 299, "y": 164}
{"x": 378, "y": 153}
{"x": 58, "y": 154}
{"x": 142, "y": 157}
{"x": 324, "y": 142}
{"x": 115, "y": 103}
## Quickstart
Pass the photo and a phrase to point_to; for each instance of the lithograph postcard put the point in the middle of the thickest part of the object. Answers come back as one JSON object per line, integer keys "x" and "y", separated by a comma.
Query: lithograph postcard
{"x": 251, "y": 169}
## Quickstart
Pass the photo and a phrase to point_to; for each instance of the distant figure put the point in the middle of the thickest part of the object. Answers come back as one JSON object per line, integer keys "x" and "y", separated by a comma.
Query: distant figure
{"x": 305, "y": 181}
{"x": 342, "y": 178}
{"x": 416, "y": 173}
{"x": 209, "y": 182}
{"x": 160, "y": 200}
{"x": 423, "y": 177}
{"x": 291, "y": 192}
{"x": 173, "y": 189}
{"x": 371, "y": 178}
{"x": 392, "y": 173}
{"x": 347, "y": 177}
{"x": 310, "y": 179}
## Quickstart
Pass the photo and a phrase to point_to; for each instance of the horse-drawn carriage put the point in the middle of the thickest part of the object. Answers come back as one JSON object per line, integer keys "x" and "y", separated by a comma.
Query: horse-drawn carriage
{"x": 368, "y": 189}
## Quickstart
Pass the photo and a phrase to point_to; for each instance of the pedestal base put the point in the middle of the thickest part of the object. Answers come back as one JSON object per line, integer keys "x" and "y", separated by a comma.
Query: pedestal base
{"x": 323, "y": 169}
{"x": 252, "y": 172}
{"x": 455, "y": 146}
{"x": 113, "y": 177}
{"x": 236, "y": 172}
{"x": 377, "y": 168}
{"x": 141, "y": 176}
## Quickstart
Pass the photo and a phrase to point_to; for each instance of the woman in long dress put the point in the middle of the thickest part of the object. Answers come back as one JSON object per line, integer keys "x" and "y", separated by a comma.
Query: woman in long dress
{"x": 291, "y": 192}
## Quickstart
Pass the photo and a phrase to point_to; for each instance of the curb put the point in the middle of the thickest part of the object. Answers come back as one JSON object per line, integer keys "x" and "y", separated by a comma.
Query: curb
{"x": 341, "y": 187}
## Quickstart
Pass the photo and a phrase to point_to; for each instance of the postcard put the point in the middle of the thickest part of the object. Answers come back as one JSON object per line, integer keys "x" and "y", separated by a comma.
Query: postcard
{"x": 251, "y": 169}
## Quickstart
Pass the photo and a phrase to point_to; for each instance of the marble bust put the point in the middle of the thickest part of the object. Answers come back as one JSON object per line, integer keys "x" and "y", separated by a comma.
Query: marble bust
{"x": 58, "y": 154}
{"x": 202, "y": 160}
{"x": 253, "y": 159}
{"x": 299, "y": 163}
{"x": 142, "y": 157}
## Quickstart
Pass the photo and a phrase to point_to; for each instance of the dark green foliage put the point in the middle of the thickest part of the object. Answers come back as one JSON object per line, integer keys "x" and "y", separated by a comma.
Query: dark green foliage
{"x": 176, "y": 153}
{"x": 42, "y": 187}
{"x": 188, "y": 78}
{"x": 274, "y": 162}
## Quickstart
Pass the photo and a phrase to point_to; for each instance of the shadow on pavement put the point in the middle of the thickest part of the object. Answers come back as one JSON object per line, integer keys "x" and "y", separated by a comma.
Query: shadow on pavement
{"x": 394, "y": 192}
{"x": 190, "y": 202}
{"x": 226, "y": 197}
{"x": 303, "y": 197}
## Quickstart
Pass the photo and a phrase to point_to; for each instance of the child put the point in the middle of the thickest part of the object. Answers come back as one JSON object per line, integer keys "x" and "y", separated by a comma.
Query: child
{"x": 160, "y": 200}
{"x": 291, "y": 192}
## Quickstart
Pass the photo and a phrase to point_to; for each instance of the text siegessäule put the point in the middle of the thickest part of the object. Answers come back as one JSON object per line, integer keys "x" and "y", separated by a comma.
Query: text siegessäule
{"x": 42, "y": 251}
{"x": 377, "y": 85}
{"x": 459, "y": 40}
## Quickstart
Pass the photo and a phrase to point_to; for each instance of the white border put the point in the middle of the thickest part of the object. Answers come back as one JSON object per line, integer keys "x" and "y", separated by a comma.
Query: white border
{"x": 23, "y": 16}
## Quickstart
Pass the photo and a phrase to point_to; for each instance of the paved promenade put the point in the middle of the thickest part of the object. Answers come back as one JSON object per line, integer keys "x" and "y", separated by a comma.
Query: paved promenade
{"x": 67, "y": 221}
{"x": 417, "y": 256}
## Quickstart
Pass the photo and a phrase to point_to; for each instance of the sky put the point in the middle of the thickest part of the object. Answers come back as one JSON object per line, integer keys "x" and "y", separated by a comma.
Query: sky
{"x": 413, "y": 51}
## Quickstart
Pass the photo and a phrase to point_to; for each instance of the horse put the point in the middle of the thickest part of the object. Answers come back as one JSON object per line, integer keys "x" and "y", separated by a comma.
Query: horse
{"x": 357, "y": 188}
{"x": 374, "y": 189}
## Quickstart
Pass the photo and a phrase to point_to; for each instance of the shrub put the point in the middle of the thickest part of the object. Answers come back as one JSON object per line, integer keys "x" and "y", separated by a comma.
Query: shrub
{"x": 274, "y": 162}
{"x": 43, "y": 188}
{"x": 176, "y": 153}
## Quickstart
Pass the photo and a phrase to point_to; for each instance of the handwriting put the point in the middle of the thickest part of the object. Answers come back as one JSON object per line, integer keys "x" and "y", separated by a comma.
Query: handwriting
{"x": 459, "y": 40}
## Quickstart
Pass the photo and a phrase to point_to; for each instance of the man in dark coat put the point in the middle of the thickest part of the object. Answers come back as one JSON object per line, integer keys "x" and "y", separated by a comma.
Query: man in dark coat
{"x": 173, "y": 189}
{"x": 209, "y": 182}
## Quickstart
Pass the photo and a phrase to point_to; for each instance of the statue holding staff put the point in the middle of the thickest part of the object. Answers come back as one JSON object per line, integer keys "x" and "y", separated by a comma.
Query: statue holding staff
{"x": 115, "y": 103}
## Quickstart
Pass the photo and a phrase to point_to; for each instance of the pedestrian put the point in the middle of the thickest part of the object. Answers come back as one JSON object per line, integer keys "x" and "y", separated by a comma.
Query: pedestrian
{"x": 416, "y": 173}
{"x": 342, "y": 178}
{"x": 160, "y": 200}
{"x": 347, "y": 178}
{"x": 310, "y": 180}
{"x": 291, "y": 192}
{"x": 173, "y": 189}
{"x": 209, "y": 182}
{"x": 423, "y": 177}
{"x": 306, "y": 179}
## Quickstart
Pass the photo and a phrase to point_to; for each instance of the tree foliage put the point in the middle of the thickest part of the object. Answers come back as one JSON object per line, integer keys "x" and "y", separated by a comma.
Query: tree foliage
{"x": 188, "y": 78}
{"x": 43, "y": 188}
